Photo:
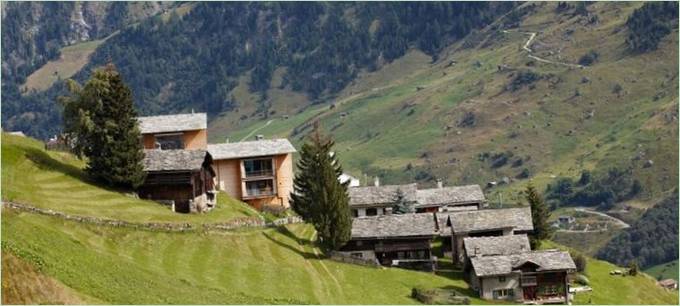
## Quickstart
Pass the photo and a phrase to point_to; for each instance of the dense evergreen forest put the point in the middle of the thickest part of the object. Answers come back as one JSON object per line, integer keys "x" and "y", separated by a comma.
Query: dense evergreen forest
{"x": 651, "y": 240}
{"x": 649, "y": 24}
{"x": 201, "y": 55}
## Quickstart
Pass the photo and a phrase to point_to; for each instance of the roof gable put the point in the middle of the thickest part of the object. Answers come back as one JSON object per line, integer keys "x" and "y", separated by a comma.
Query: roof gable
{"x": 172, "y": 123}
{"x": 386, "y": 226}
{"x": 549, "y": 260}
{"x": 500, "y": 245}
{"x": 246, "y": 149}
{"x": 174, "y": 160}
{"x": 376, "y": 195}
{"x": 490, "y": 219}
{"x": 453, "y": 195}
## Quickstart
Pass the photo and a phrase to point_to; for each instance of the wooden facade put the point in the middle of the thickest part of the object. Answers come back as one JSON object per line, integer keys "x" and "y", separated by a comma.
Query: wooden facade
{"x": 407, "y": 252}
{"x": 267, "y": 186}
{"x": 191, "y": 140}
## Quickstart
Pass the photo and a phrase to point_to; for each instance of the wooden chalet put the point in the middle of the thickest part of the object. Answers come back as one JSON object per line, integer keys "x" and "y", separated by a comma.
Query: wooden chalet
{"x": 402, "y": 240}
{"x": 258, "y": 172}
{"x": 483, "y": 223}
{"x": 537, "y": 277}
{"x": 180, "y": 178}
{"x": 174, "y": 132}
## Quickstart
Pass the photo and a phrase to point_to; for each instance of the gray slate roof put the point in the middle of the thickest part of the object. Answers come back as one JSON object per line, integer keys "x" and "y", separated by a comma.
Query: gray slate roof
{"x": 386, "y": 226}
{"x": 251, "y": 148}
{"x": 500, "y": 245}
{"x": 490, "y": 219}
{"x": 173, "y": 123}
{"x": 376, "y": 195}
{"x": 505, "y": 264}
{"x": 173, "y": 160}
{"x": 450, "y": 195}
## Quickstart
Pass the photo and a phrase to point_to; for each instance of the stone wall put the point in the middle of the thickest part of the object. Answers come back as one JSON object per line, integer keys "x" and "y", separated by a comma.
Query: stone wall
{"x": 237, "y": 223}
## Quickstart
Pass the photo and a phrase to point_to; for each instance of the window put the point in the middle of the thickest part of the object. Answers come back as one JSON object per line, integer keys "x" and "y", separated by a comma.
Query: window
{"x": 371, "y": 212}
{"x": 258, "y": 167}
{"x": 355, "y": 213}
{"x": 169, "y": 142}
{"x": 503, "y": 293}
{"x": 260, "y": 188}
{"x": 501, "y": 279}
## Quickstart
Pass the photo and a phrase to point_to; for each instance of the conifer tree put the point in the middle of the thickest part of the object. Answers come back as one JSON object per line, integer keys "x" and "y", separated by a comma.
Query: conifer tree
{"x": 101, "y": 122}
{"x": 401, "y": 206}
{"x": 539, "y": 215}
{"x": 319, "y": 197}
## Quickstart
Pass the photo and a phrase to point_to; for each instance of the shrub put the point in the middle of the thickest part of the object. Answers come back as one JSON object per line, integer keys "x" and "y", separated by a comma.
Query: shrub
{"x": 582, "y": 280}
{"x": 589, "y": 58}
{"x": 523, "y": 78}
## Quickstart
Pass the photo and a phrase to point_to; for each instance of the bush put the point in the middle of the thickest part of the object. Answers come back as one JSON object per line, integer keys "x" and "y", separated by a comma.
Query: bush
{"x": 438, "y": 296}
{"x": 589, "y": 58}
{"x": 523, "y": 78}
{"x": 581, "y": 262}
{"x": 582, "y": 280}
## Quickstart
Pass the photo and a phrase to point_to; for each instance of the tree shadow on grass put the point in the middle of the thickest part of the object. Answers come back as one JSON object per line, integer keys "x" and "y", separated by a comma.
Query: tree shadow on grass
{"x": 44, "y": 161}
{"x": 306, "y": 255}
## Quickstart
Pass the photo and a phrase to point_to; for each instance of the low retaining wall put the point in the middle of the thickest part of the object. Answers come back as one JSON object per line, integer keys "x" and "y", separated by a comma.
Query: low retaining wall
{"x": 341, "y": 257}
{"x": 233, "y": 224}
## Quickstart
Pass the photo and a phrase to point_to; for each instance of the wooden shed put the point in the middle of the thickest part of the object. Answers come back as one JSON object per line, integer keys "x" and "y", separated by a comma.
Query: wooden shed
{"x": 182, "y": 179}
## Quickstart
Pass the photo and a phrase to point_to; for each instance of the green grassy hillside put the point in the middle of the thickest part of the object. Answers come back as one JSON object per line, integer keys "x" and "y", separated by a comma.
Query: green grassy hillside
{"x": 58, "y": 261}
{"x": 406, "y": 122}
{"x": 55, "y": 180}
{"x": 664, "y": 271}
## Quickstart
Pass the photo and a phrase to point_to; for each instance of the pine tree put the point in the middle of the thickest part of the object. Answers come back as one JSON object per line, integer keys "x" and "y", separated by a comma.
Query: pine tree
{"x": 101, "y": 122}
{"x": 319, "y": 197}
{"x": 401, "y": 206}
{"x": 539, "y": 215}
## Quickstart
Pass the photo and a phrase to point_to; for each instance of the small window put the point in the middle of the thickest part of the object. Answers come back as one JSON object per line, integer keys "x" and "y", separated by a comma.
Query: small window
{"x": 355, "y": 213}
{"x": 503, "y": 293}
{"x": 258, "y": 167}
{"x": 371, "y": 212}
{"x": 360, "y": 243}
{"x": 501, "y": 279}
{"x": 170, "y": 142}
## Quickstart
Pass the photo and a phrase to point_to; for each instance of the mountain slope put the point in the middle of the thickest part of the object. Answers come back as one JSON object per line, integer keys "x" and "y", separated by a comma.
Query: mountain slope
{"x": 71, "y": 262}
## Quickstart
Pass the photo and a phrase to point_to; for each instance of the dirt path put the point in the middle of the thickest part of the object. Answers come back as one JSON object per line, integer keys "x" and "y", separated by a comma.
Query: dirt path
{"x": 527, "y": 48}
{"x": 618, "y": 221}
{"x": 255, "y": 130}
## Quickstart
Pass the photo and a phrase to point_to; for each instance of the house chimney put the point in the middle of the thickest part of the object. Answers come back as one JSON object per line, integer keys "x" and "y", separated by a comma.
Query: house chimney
{"x": 440, "y": 184}
{"x": 192, "y": 110}
{"x": 376, "y": 181}
{"x": 259, "y": 137}
{"x": 226, "y": 140}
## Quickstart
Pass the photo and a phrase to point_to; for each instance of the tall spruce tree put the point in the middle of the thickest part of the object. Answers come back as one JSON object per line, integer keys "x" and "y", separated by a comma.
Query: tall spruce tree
{"x": 101, "y": 122}
{"x": 539, "y": 215}
{"x": 319, "y": 197}
{"x": 401, "y": 206}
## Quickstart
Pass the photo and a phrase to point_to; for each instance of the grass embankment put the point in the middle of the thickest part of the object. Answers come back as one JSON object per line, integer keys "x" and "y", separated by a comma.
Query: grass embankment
{"x": 616, "y": 289}
{"x": 664, "y": 271}
{"x": 119, "y": 265}
{"x": 55, "y": 180}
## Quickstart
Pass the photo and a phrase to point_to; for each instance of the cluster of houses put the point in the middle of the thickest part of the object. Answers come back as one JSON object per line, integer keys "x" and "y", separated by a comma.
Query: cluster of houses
{"x": 185, "y": 172}
{"x": 492, "y": 246}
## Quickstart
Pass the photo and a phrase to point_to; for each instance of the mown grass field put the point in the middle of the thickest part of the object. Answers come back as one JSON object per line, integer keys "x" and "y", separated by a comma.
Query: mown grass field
{"x": 258, "y": 266}
{"x": 664, "y": 271}
{"x": 55, "y": 180}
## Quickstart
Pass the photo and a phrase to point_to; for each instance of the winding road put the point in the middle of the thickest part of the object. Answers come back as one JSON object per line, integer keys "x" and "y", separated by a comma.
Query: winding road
{"x": 527, "y": 48}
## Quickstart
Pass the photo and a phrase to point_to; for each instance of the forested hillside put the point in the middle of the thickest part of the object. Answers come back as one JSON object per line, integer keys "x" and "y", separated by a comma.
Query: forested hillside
{"x": 195, "y": 61}
{"x": 650, "y": 241}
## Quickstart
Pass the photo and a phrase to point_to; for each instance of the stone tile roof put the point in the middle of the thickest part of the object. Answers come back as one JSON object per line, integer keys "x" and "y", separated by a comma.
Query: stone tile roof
{"x": 490, "y": 219}
{"x": 377, "y": 195}
{"x": 173, "y": 160}
{"x": 173, "y": 123}
{"x": 265, "y": 147}
{"x": 386, "y": 226}
{"x": 500, "y": 245}
{"x": 450, "y": 196}
{"x": 550, "y": 260}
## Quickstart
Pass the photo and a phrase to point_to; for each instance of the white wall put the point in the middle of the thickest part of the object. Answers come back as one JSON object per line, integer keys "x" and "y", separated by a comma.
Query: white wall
{"x": 512, "y": 281}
